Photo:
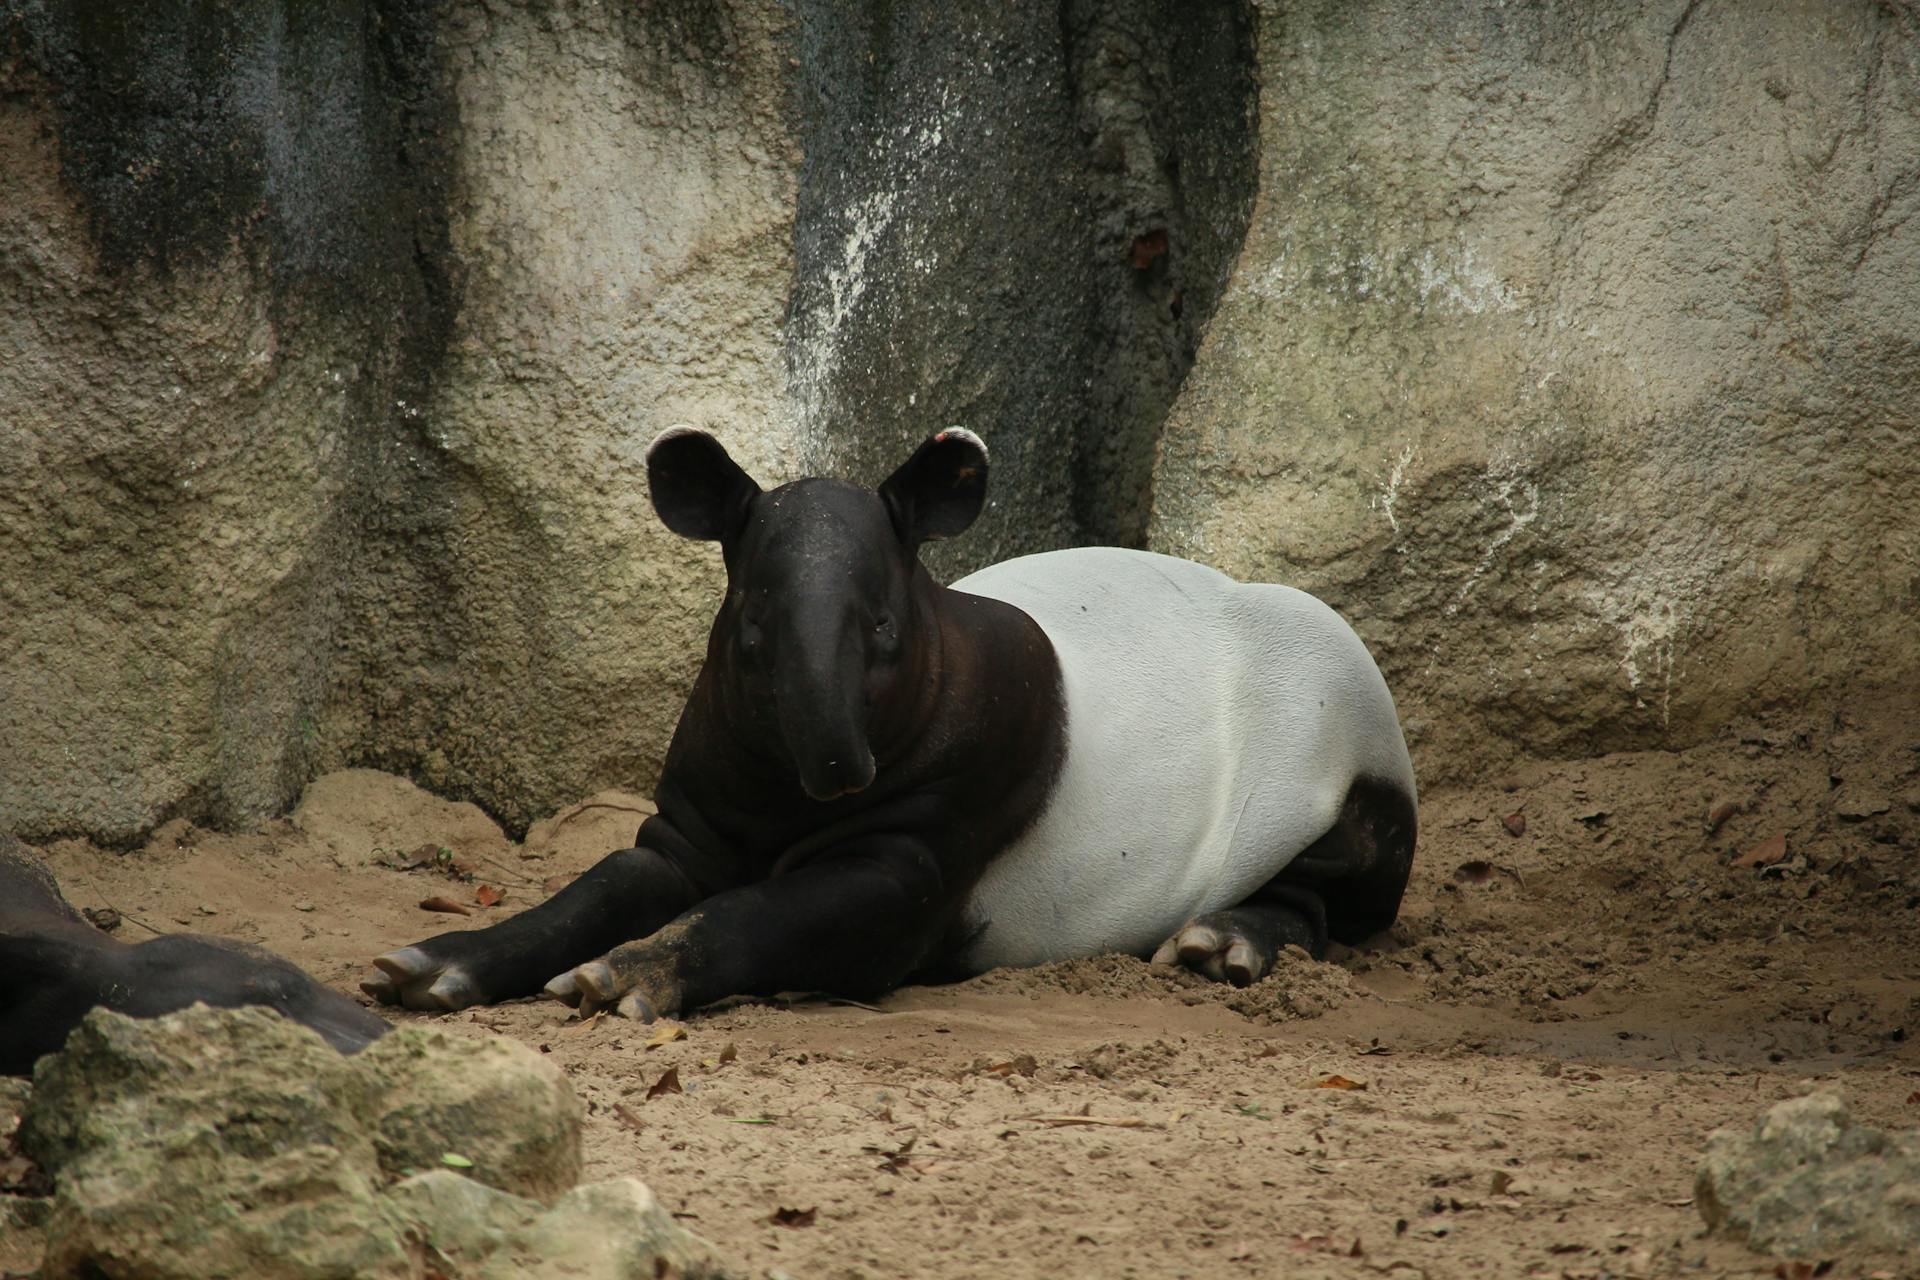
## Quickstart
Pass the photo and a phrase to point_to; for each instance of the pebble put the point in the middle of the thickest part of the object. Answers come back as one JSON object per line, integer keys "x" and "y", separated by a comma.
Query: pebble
{"x": 303, "y": 906}
{"x": 1858, "y": 808}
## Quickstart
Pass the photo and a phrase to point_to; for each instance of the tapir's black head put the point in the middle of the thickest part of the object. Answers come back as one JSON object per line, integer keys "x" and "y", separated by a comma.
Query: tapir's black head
{"x": 821, "y": 616}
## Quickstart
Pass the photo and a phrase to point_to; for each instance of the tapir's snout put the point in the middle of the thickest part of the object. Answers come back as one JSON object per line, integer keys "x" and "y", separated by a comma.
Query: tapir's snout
{"x": 831, "y": 779}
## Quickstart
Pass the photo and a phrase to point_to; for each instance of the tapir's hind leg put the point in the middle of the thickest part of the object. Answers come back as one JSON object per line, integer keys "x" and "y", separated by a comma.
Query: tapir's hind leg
{"x": 1345, "y": 886}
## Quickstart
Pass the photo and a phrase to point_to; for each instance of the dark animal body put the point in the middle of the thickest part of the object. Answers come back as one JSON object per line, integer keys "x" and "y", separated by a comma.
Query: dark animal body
{"x": 877, "y": 777}
{"x": 54, "y": 967}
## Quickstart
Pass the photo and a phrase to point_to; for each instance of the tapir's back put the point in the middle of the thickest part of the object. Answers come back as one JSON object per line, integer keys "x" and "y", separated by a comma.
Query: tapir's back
{"x": 1213, "y": 729}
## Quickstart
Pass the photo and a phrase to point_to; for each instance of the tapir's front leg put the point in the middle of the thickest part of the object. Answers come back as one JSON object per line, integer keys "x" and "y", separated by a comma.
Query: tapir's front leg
{"x": 625, "y": 895}
{"x": 856, "y": 921}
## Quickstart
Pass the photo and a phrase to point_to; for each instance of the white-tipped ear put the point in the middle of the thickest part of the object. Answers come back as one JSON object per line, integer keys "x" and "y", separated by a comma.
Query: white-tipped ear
{"x": 939, "y": 491}
{"x": 698, "y": 491}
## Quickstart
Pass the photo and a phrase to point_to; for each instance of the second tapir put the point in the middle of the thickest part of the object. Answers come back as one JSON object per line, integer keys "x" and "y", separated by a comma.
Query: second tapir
{"x": 877, "y": 777}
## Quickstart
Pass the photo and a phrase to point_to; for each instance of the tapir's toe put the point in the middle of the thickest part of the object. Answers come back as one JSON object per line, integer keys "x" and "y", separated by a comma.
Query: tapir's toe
{"x": 413, "y": 979}
{"x": 1217, "y": 950}
{"x": 637, "y": 1007}
{"x": 588, "y": 987}
{"x": 597, "y": 987}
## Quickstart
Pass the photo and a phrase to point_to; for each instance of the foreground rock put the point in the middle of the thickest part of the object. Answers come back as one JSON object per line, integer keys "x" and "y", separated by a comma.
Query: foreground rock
{"x": 214, "y": 1143}
{"x": 1807, "y": 1182}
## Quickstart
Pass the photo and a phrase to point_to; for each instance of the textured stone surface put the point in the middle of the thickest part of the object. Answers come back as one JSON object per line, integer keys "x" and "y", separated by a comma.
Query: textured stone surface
{"x": 1807, "y": 1182}
{"x": 494, "y": 1102}
{"x": 215, "y": 1143}
{"x": 341, "y": 333}
{"x": 209, "y": 1143}
{"x": 976, "y": 182}
{"x": 612, "y": 1230}
{"x": 218, "y": 249}
{"x": 337, "y": 336}
{"x": 120, "y": 1079}
{"x": 1570, "y": 354}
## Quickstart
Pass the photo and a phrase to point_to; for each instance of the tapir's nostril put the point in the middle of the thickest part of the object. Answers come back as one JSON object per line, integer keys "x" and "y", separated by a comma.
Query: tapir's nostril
{"x": 836, "y": 778}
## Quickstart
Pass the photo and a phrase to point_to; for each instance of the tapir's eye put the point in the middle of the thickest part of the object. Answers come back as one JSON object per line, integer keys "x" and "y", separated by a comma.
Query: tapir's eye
{"x": 886, "y": 638}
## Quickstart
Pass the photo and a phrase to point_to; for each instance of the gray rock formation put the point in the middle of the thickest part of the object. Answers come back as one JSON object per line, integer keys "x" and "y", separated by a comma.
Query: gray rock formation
{"x": 341, "y": 333}
{"x": 1569, "y": 353}
{"x": 517, "y": 1118}
{"x": 215, "y": 1143}
{"x": 1807, "y": 1182}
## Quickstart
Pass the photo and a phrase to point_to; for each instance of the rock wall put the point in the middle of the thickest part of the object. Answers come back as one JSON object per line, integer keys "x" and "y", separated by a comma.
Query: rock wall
{"x": 341, "y": 332}
{"x": 222, "y": 249}
{"x": 1574, "y": 352}
{"x": 1571, "y": 351}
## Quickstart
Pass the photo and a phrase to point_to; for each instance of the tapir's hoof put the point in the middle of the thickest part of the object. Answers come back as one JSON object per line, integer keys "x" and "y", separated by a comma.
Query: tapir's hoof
{"x": 594, "y": 987}
{"x": 413, "y": 979}
{"x": 1216, "y": 951}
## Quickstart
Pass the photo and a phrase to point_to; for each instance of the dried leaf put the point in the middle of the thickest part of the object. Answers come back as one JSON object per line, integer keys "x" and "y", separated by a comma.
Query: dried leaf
{"x": 488, "y": 896}
{"x": 1024, "y": 1065}
{"x": 1913, "y": 1097}
{"x": 793, "y": 1217}
{"x": 1764, "y": 854}
{"x": 728, "y": 1054}
{"x": 666, "y": 1033}
{"x": 1500, "y": 1183}
{"x": 585, "y": 1024}
{"x": 1476, "y": 872}
{"x": 454, "y": 1160}
{"x": 447, "y": 905}
{"x": 627, "y": 1118}
{"x": 1339, "y": 1082}
{"x": 1515, "y": 823}
{"x": 669, "y": 1082}
{"x": 554, "y": 884}
{"x": 1112, "y": 1122}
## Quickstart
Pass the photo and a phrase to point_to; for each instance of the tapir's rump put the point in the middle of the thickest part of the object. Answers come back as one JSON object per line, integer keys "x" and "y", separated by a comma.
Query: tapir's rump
{"x": 1213, "y": 729}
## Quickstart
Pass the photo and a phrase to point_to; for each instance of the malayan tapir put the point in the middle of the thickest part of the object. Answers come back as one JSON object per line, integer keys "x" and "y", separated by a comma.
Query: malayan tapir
{"x": 56, "y": 967}
{"x": 877, "y": 777}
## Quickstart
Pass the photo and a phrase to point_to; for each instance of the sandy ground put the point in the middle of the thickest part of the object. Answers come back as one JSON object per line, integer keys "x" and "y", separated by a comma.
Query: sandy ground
{"x": 1539, "y": 1049}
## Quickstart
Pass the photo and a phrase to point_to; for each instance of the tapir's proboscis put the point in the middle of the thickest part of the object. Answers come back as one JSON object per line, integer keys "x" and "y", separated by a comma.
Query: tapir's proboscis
{"x": 877, "y": 778}
{"x": 57, "y": 966}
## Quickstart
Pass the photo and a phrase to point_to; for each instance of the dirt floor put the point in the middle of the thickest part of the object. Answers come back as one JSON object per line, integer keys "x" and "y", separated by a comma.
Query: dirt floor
{"x": 1586, "y": 982}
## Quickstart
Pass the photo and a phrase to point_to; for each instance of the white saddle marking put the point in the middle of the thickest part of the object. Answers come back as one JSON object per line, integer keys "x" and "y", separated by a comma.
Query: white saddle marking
{"x": 1213, "y": 728}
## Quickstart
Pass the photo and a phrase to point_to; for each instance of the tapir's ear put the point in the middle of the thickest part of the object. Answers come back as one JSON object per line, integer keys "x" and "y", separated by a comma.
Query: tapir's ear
{"x": 939, "y": 490}
{"x": 697, "y": 489}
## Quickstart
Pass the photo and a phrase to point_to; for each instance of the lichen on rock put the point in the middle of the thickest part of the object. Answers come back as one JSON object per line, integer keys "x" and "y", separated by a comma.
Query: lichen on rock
{"x": 234, "y": 1143}
{"x": 1806, "y": 1181}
